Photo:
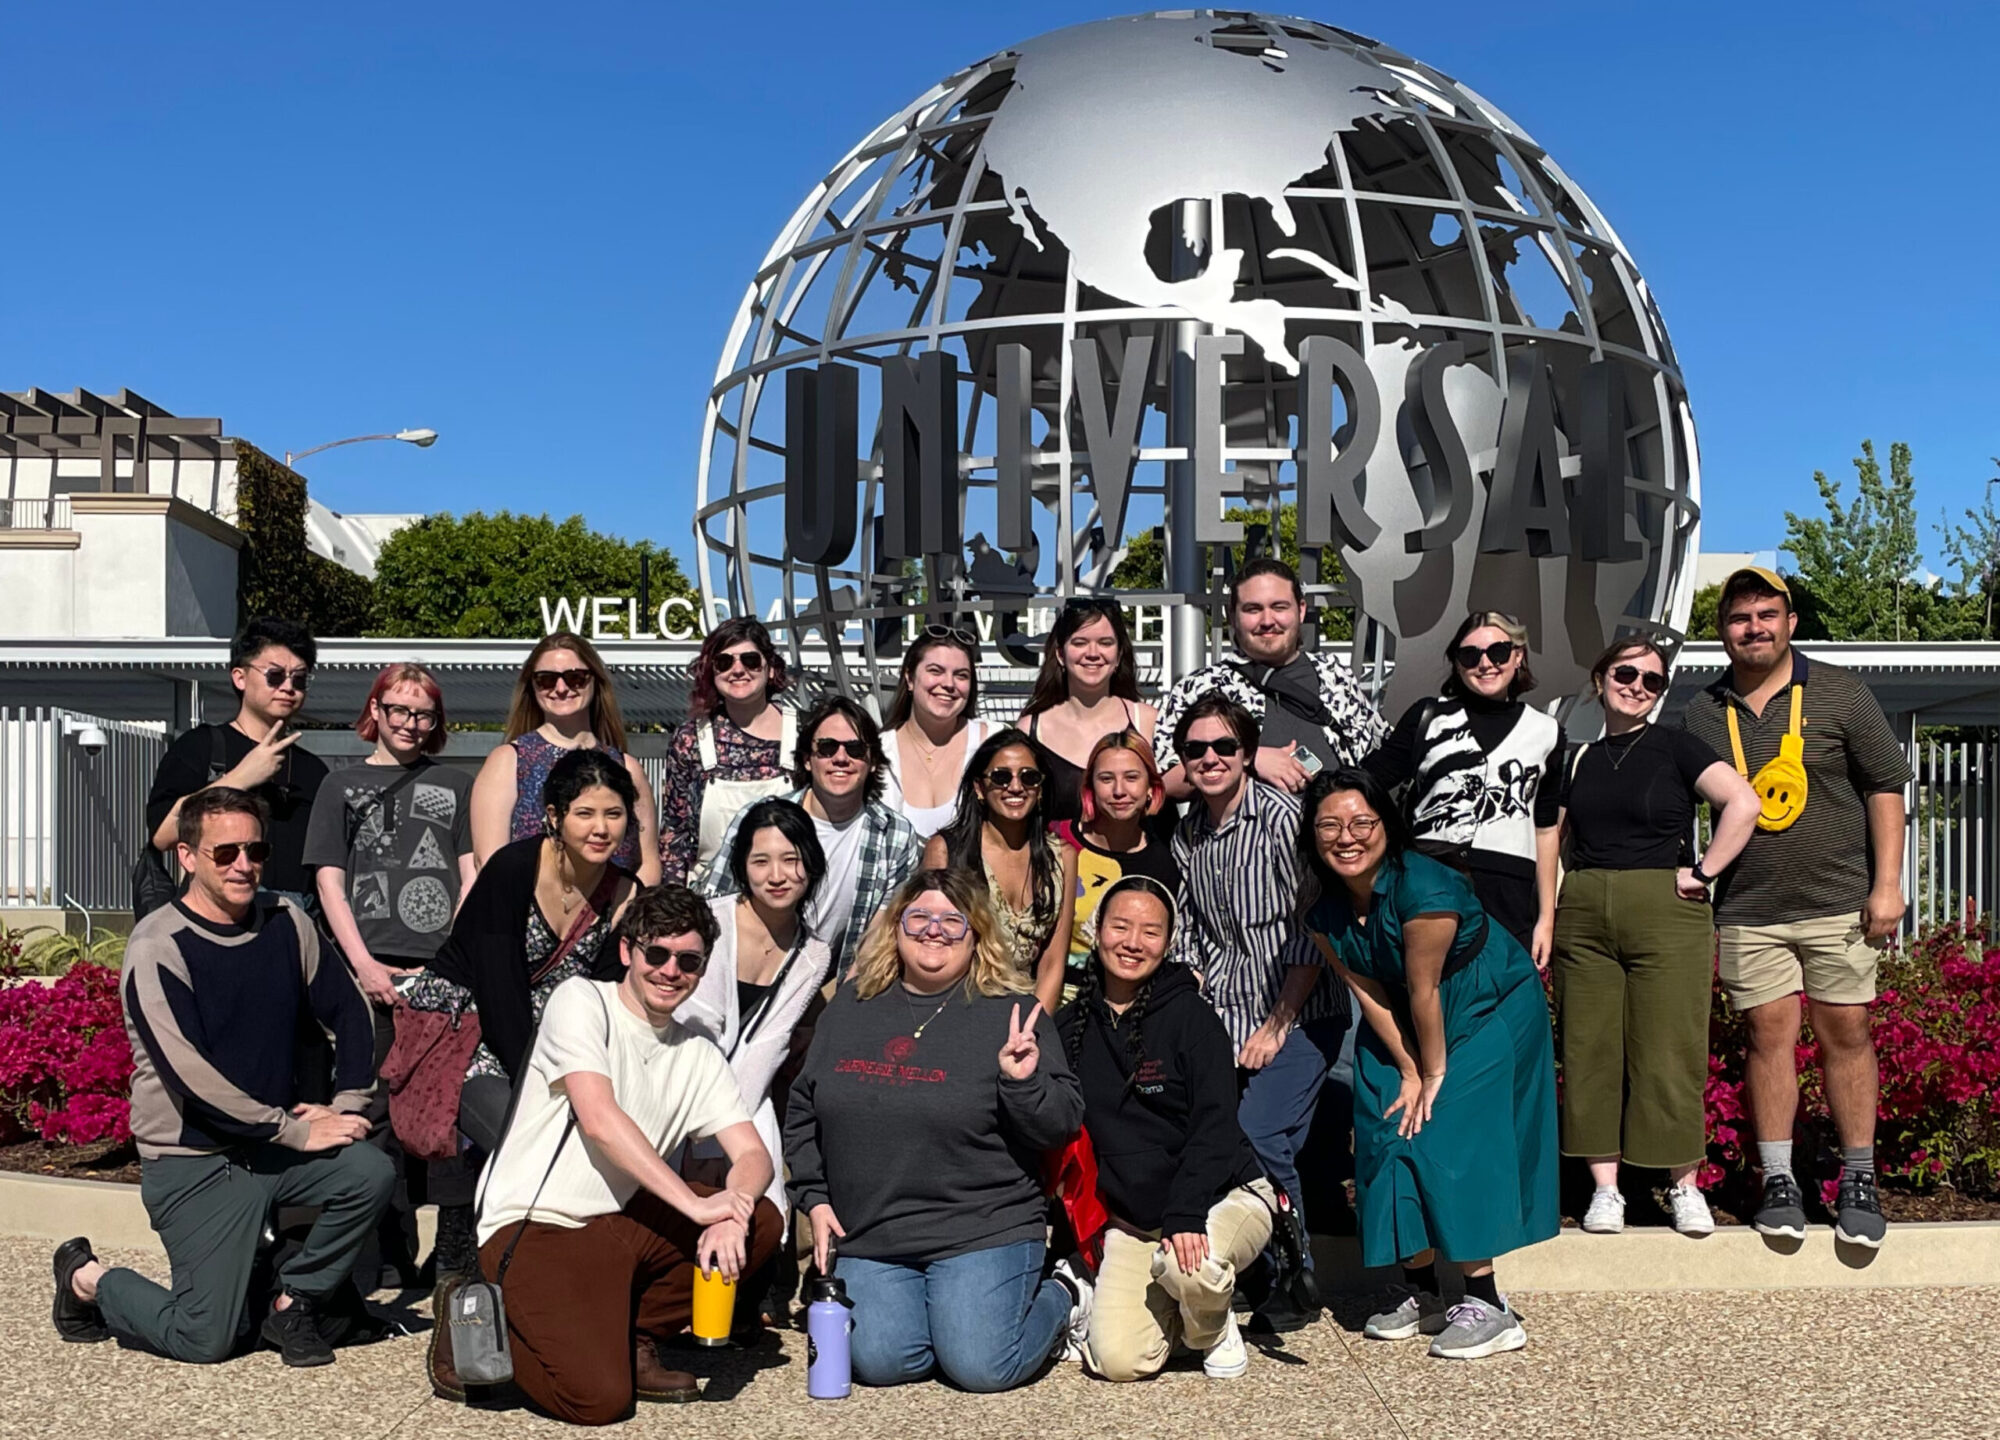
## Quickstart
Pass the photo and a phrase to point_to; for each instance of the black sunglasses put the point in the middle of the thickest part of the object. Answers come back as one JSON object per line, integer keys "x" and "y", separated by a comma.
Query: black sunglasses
{"x": 1499, "y": 652}
{"x": 1003, "y": 778}
{"x": 688, "y": 962}
{"x": 827, "y": 747}
{"x": 275, "y": 676}
{"x": 1227, "y": 746}
{"x": 751, "y": 660}
{"x": 255, "y": 851}
{"x": 547, "y": 680}
{"x": 1653, "y": 680}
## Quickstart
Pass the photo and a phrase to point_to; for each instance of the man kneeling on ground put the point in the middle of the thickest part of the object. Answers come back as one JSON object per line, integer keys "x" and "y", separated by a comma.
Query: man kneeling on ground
{"x": 604, "y": 1236}
{"x": 215, "y": 987}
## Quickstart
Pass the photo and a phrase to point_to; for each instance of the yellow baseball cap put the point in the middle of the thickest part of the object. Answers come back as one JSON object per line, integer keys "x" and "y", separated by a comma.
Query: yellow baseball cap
{"x": 1770, "y": 578}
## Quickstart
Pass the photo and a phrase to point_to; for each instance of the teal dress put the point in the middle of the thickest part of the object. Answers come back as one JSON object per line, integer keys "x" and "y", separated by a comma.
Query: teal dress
{"x": 1480, "y": 1179}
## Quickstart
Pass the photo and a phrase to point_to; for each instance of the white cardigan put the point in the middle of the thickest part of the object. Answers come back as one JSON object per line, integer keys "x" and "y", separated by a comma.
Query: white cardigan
{"x": 712, "y": 1012}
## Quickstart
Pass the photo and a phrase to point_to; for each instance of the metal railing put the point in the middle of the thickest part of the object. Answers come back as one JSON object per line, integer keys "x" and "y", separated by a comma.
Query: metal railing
{"x": 49, "y": 513}
{"x": 73, "y": 807}
{"x": 1951, "y": 866}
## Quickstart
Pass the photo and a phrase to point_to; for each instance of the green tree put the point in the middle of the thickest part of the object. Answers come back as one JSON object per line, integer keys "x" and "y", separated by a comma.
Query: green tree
{"x": 1145, "y": 564}
{"x": 486, "y": 576}
{"x": 1859, "y": 559}
{"x": 1974, "y": 548}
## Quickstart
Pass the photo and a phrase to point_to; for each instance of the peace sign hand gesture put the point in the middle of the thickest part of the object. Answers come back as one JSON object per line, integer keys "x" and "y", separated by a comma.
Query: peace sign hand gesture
{"x": 1019, "y": 1055}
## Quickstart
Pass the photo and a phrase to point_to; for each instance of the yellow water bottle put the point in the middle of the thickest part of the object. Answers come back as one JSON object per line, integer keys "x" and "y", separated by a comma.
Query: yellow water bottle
{"x": 714, "y": 1306}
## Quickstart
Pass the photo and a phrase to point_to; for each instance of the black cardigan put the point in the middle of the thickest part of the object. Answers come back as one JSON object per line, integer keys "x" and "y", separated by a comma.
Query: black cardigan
{"x": 487, "y": 950}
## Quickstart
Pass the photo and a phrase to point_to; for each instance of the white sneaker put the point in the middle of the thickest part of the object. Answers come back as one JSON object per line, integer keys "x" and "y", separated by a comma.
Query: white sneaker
{"x": 1606, "y": 1215}
{"x": 1069, "y": 1340}
{"x": 1691, "y": 1215}
{"x": 1227, "y": 1358}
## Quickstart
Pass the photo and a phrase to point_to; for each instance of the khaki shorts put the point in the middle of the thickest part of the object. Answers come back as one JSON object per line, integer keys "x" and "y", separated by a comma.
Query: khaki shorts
{"x": 1827, "y": 958}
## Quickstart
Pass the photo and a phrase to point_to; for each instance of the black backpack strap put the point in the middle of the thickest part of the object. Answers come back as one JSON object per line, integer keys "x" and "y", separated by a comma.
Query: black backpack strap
{"x": 218, "y": 753}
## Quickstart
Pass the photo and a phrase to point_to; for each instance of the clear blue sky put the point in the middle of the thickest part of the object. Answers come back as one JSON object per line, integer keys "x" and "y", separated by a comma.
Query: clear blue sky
{"x": 528, "y": 226}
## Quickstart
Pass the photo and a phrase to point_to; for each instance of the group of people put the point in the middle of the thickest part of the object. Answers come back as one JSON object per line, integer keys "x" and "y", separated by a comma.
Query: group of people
{"x": 1028, "y": 1025}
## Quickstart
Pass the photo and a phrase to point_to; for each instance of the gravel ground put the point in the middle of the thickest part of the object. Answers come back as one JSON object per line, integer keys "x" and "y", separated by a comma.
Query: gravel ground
{"x": 1802, "y": 1364}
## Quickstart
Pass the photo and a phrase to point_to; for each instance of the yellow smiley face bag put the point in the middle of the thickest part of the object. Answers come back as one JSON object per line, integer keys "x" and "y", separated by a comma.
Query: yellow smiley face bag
{"x": 1780, "y": 784}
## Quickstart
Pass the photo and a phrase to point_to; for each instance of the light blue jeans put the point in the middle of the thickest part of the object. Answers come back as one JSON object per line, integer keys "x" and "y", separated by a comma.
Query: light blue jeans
{"x": 984, "y": 1321}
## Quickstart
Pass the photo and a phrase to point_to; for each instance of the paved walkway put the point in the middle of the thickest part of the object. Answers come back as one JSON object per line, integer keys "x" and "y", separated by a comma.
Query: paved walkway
{"x": 1800, "y": 1364}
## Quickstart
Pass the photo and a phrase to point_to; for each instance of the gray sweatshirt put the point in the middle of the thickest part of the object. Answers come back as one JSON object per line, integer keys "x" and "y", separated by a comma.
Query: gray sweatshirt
{"x": 921, "y": 1146}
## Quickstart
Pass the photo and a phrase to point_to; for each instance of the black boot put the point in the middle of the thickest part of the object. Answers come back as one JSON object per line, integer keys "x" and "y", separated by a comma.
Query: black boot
{"x": 457, "y": 1252}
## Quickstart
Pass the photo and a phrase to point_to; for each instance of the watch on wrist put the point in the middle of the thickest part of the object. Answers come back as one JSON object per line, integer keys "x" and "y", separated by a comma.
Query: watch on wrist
{"x": 1700, "y": 874}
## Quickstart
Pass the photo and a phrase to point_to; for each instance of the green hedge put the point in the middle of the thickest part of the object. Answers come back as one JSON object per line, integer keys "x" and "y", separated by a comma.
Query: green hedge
{"x": 276, "y": 574}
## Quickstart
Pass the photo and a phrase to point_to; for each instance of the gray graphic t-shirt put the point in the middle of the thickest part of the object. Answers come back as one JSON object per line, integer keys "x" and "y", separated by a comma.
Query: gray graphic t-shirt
{"x": 398, "y": 834}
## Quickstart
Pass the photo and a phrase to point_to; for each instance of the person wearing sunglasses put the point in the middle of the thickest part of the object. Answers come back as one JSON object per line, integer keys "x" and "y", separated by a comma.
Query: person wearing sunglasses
{"x": 734, "y": 749}
{"x": 1088, "y": 688}
{"x": 1635, "y": 939}
{"x": 216, "y": 988}
{"x": 869, "y": 846}
{"x": 1310, "y": 711}
{"x": 541, "y": 911}
{"x": 914, "y": 1134}
{"x": 391, "y": 838}
{"x": 594, "y": 1234}
{"x": 1001, "y": 835}
{"x": 764, "y": 972}
{"x": 1236, "y": 850}
{"x": 1454, "y": 1071}
{"x": 933, "y": 728}
{"x": 1477, "y": 767}
{"x": 271, "y": 665}
{"x": 563, "y": 702}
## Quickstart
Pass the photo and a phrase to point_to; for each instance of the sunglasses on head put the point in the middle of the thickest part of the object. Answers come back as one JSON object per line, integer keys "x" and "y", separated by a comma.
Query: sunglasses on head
{"x": 751, "y": 660}
{"x": 1227, "y": 746}
{"x": 255, "y": 851}
{"x": 578, "y": 679}
{"x": 1499, "y": 652}
{"x": 1002, "y": 777}
{"x": 827, "y": 747}
{"x": 688, "y": 962}
{"x": 1653, "y": 680}
{"x": 275, "y": 676}
{"x": 967, "y": 640}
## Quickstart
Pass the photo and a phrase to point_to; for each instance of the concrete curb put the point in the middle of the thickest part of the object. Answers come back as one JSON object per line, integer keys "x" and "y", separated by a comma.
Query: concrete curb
{"x": 1942, "y": 1254}
{"x": 1733, "y": 1258}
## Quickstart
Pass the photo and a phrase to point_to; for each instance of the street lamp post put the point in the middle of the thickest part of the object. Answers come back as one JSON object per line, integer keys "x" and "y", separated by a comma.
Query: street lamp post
{"x": 422, "y": 439}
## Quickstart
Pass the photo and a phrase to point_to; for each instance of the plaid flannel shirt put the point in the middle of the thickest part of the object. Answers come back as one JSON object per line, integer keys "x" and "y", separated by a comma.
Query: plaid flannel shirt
{"x": 890, "y": 851}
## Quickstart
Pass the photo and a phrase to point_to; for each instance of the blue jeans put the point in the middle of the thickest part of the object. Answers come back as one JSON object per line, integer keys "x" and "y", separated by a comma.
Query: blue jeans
{"x": 1278, "y": 1102}
{"x": 985, "y": 1320}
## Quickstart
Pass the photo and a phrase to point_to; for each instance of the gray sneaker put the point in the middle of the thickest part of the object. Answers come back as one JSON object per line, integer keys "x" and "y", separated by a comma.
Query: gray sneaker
{"x": 1783, "y": 1212}
{"x": 1858, "y": 1212}
{"x": 1476, "y": 1330}
{"x": 1419, "y": 1313}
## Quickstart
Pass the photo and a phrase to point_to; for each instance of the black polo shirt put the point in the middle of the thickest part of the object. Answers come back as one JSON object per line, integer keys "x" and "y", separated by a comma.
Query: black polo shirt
{"x": 1822, "y": 864}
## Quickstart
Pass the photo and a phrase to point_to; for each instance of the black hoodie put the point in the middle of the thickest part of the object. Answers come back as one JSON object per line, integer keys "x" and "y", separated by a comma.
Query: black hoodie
{"x": 1167, "y": 1142}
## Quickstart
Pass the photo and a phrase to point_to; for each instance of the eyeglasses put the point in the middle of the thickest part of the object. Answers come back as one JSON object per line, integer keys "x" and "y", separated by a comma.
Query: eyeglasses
{"x": 1653, "y": 680}
{"x": 276, "y": 675}
{"x": 751, "y": 660}
{"x": 404, "y": 715}
{"x": 919, "y": 923}
{"x": 1227, "y": 746}
{"x": 255, "y": 851}
{"x": 1360, "y": 827}
{"x": 578, "y": 679}
{"x": 1466, "y": 657}
{"x": 688, "y": 962}
{"x": 967, "y": 640}
{"x": 1003, "y": 778}
{"x": 826, "y": 747}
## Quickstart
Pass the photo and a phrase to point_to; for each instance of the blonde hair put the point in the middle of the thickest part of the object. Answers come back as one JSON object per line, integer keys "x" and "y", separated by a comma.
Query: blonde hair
{"x": 878, "y": 965}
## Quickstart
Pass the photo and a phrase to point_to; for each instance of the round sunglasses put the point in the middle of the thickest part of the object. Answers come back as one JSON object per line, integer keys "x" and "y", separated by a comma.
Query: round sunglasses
{"x": 1653, "y": 680}
{"x": 1002, "y": 777}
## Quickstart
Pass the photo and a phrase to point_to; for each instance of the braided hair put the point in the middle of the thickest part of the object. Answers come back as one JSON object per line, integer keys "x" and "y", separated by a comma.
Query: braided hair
{"x": 1132, "y": 1026}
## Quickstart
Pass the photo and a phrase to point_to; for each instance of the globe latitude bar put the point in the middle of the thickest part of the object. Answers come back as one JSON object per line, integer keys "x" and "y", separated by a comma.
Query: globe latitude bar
{"x": 1176, "y": 176}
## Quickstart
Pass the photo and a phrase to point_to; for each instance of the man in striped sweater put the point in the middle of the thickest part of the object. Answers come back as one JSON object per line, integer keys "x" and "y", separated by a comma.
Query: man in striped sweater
{"x": 215, "y": 988}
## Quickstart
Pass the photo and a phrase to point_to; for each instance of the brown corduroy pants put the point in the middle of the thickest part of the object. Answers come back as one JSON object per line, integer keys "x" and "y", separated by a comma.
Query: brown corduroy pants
{"x": 577, "y": 1300}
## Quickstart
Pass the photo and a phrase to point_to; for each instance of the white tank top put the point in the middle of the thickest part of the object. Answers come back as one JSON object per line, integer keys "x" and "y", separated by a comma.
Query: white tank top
{"x": 927, "y": 820}
{"x": 723, "y": 800}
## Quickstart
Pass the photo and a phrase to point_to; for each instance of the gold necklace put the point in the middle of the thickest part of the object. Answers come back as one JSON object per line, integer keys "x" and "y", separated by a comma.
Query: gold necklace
{"x": 918, "y": 1033}
{"x": 926, "y": 751}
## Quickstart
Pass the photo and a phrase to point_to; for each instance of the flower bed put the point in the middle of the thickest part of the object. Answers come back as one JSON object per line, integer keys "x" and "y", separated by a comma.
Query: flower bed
{"x": 65, "y": 1062}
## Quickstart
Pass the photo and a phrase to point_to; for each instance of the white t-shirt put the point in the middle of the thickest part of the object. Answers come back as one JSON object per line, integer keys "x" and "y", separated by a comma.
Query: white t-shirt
{"x": 835, "y": 897}
{"x": 672, "y": 1082}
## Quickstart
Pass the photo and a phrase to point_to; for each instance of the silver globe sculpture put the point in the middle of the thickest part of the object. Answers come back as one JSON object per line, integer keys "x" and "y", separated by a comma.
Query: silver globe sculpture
{"x": 1233, "y": 260}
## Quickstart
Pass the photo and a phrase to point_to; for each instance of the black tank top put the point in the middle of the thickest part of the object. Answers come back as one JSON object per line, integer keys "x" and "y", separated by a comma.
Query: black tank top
{"x": 1062, "y": 792}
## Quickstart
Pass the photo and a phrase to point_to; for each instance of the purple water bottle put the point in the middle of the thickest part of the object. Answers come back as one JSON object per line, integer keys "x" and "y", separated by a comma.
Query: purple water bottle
{"x": 829, "y": 1320}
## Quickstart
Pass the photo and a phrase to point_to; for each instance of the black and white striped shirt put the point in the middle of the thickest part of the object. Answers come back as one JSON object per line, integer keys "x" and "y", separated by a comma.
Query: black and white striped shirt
{"x": 1238, "y": 919}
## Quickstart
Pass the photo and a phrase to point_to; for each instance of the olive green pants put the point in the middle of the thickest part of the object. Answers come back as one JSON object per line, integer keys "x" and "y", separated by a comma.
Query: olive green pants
{"x": 1634, "y": 966}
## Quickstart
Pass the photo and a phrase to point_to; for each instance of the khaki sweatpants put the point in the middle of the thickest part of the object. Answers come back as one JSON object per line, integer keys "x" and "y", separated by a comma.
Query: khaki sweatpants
{"x": 1135, "y": 1319}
